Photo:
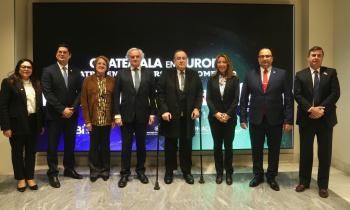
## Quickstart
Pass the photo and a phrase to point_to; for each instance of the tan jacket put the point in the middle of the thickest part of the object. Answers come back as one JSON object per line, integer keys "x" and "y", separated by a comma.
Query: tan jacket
{"x": 89, "y": 94}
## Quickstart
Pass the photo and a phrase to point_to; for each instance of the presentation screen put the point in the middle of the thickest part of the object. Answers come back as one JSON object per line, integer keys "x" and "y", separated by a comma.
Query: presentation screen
{"x": 159, "y": 29}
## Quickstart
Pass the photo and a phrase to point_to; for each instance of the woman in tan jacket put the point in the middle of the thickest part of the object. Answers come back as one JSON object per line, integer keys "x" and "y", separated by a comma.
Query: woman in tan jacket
{"x": 96, "y": 101}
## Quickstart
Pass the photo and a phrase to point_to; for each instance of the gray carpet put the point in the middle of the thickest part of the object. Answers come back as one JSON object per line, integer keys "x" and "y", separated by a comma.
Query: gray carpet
{"x": 82, "y": 194}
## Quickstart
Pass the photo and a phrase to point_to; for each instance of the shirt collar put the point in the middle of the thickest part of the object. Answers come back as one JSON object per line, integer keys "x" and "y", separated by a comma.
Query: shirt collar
{"x": 62, "y": 66}
{"x": 268, "y": 69}
{"x": 313, "y": 70}
{"x": 133, "y": 69}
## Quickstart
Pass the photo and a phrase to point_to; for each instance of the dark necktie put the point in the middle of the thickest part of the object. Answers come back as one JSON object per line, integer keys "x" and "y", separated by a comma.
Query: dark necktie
{"x": 316, "y": 88}
{"x": 65, "y": 75}
{"x": 136, "y": 79}
{"x": 265, "y": 80}
{"x": 182, "y": 80}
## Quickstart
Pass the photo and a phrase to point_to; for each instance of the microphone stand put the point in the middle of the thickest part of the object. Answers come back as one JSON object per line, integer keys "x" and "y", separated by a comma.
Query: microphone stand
{"x": 201, "y": 179}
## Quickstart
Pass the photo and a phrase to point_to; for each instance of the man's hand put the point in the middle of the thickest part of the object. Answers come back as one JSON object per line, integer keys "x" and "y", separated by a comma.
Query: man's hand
{"x": 118, "y": 121}
{"x": 151, "y": 119}
{"x": 166, "y": 116}
{"x": 244, "y": 125}
{"x": 195, "y": 113}
{"x": 8, "y": 133}
{"x": 316, "y": 112}
{"x": 68, "y": 112}
{"x": 287, "y": 127}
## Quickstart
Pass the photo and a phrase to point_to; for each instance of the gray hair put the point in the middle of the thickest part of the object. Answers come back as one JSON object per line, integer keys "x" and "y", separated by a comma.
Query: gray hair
{"x": 132, "y": 49}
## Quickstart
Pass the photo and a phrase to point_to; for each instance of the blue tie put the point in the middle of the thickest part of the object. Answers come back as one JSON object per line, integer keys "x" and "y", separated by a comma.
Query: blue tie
{"x": 316, "y": 89}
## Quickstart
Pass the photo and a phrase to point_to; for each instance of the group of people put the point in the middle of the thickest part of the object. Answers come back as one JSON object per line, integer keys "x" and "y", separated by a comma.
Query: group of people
{"x": 133, "y": 99}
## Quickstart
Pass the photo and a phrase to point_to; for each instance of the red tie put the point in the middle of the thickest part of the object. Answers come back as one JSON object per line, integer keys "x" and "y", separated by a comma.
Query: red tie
{"x": 265, "y": 80}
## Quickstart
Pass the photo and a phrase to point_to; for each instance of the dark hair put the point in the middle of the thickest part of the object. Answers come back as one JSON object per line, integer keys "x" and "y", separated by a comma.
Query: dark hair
{"x": 15, "y": 78}
{"x": 65, "y": 45}
{"x": 103, "y": 58}
{"x": 179, "y": 50}
{"x": 229, "y": 71}
{"x": 264, "y": 48}
{"x": 314, "y": 48}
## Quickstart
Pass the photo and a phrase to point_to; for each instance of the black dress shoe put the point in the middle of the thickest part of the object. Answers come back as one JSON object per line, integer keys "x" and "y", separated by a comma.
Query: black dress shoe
{"x": 168, "y": 178}
{"x": 72, "y": 173}
{"x": 54, "y": 182}
{"x": 273, "y": 184}
{"x": 256, "y": 181}
{"x": 301, "y": 188}
{"x": 188, "y": 178}
{"x": 93, "y": 178}
{"x": 228, "y": 179}
{"x": 123, "y": 181}
{"x": 323, "y": 193}
{"x": 143, "y": 178}
{"x": 218, "y": 179}
{"x": 105, "y": 177}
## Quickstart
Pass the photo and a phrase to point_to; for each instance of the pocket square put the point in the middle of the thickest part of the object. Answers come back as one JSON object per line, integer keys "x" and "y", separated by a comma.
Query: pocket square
{"x": 325, "y": 73}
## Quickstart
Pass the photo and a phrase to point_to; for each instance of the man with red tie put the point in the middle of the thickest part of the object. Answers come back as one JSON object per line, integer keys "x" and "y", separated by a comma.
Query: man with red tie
{"x": 267, "y": 90}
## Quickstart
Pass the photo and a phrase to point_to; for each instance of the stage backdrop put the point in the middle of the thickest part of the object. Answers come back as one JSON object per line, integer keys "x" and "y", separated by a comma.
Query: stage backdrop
{"x": 202, "y": 30}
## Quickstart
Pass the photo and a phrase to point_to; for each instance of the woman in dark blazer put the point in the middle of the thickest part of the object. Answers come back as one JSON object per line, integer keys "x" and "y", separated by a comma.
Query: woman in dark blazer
{"x": 222, "y": 98}
{"x": 96, "y": 101}
{"x": 21, "y": 118}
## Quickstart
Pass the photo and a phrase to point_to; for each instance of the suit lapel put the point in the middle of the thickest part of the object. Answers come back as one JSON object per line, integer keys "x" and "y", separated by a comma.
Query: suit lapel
{"x": 227, "y": 87}
{"x": 308, "y": 81}
{"x": 187, "y": 80}
{"x": 130, "y": 81}
{"x": 259, "y": 79}
{"x": 273, "y": 75}
{"x": 22, "y": 92}
{"x": 143, "y": 77}
{"x": 60, "y": 76}
{"x": 216, "y": 86}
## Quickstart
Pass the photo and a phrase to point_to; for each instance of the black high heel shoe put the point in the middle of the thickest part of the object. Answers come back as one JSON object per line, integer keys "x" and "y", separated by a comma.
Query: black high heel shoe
{"x": 21, "y": 189}
{"x": 34, "y": 187}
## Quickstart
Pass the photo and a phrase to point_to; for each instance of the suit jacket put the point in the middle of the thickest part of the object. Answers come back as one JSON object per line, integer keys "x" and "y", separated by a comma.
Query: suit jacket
{"x": 228, "y": 102}
{"x": 134, "y": 106}
{"x": 89, "y": 96}
{"x": 169, "y": 101}
{"x": 276, "y": 104}
{"x": 13, "y": 108}
{"x": 57, "y": 95}
{"x": 329, "y": 95}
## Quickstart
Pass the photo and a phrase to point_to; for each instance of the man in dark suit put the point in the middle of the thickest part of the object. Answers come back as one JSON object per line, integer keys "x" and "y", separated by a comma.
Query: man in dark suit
{"x": 180, "y": 101}
{"x": 270, "y": 112}
{"x": 61, "y": 87}
{"x": 316, "y": 90}
{"x": 134, "y": 111}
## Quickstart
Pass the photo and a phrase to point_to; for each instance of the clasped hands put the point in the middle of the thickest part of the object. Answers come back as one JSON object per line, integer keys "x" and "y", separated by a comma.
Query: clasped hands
{"x": 119, "y": 122}
{"x": 166, "y": 116}
{"x": 222, "y": 117}
{"x": 316, "y": 112}
{"x": 68, "y": 112}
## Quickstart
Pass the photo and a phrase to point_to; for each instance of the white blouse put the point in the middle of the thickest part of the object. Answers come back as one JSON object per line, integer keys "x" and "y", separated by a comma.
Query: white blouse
{"x": 30, "y": 94}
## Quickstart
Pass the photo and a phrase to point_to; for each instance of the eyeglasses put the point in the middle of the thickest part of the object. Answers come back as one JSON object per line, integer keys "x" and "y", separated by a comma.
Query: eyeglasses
{"x": 26, "y": 67}
{"x": 264, "y": 56}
